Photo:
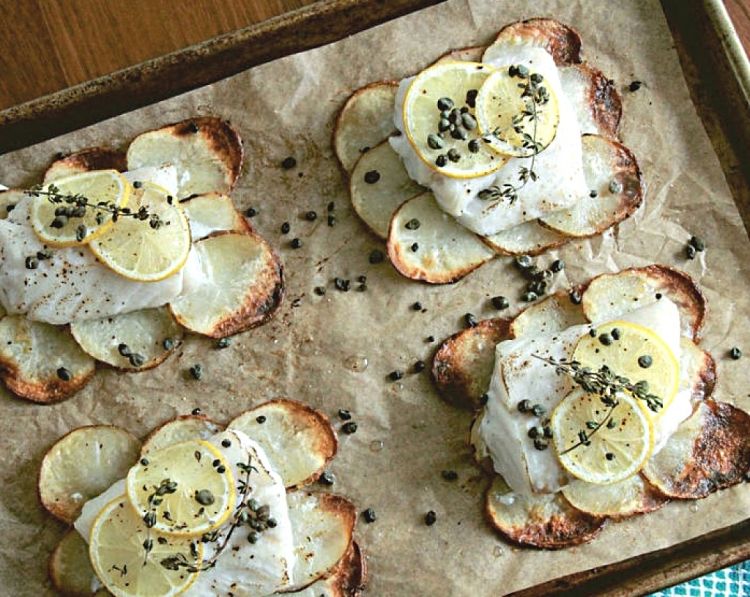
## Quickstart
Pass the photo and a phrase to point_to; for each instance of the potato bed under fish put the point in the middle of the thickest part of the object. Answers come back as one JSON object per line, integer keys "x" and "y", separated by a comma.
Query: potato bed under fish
{"x": 298, "y": 441}
{"x": 242, "y": 285}
{"x": 709, "y": 451}
{"x": 438, "y": 249}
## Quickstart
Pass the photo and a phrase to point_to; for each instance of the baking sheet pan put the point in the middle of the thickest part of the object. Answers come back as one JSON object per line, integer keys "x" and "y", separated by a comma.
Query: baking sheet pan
{"x": 726, "y": 125}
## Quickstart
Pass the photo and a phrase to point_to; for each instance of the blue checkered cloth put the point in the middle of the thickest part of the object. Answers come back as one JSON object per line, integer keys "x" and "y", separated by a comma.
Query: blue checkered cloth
{"x": 730, "y": 582}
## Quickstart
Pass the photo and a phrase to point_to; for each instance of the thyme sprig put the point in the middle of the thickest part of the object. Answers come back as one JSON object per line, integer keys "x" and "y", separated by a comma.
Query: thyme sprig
{"x": 606, "y": 384}
{"x": 536, "y": 95}
{"x": 76, "y": 206}
{"x": 240, "y": 517}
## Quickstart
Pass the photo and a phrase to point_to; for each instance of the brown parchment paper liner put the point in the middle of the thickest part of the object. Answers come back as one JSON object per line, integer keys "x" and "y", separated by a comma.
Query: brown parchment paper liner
{"x": 307, "y": 352}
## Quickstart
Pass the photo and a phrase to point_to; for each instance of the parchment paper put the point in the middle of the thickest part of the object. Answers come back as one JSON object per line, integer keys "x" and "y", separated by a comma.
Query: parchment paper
{"x": 287, "y": 108}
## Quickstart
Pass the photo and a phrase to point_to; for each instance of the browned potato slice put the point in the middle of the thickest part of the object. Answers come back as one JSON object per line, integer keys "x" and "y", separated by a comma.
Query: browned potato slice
{"x": 376, "y": 201}
{"x": 471, "y": 54}
{"x": 8, "y": 200}
{"x": 709, "y": 451}
{"x": 617, "y": 500}
{"x": 610, "y": 295}
{"x": 594, "y": 97}
{"x": 553, "y": 314}
{"x": 298, "y": 440}
{"x": 546, "y": 521}
{"x": 70, "y": 568}
{"x": 346, "y": 580}
{"x": 425, "y": 243}
{"x": 206, "y": 151}
{"x": 463, "y": 364}
{"x": 700, "y": 369}
{"x": 213, "y": 212}
{"x": 529, "y": 238}
{"x": 612, "y": 171}
{"x": 82, "y": 464}
{"x": 364, "y": 121}
{"x": 180, "y": 429}
{"x": 322, "y": 526}
{"x": 561, "y": 41}
{"x": 41, "y": 362}
{"x": 149, "y": 336}
{"x": 243, "y": 289}
{"x": 90, "y": 158}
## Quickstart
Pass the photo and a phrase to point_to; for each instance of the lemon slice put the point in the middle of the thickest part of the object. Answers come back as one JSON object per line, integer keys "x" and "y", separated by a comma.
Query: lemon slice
{"x": 137, "y": 250}
{"x": 635, "y": 352}
{"x": 615, "y": 451}
{"x": 56, "y": 228}
{"x": 186, "y": 488}
{"x": 515, "y": 124}
{"x": 438, "y": 114}
{"x": 117, "y": 549}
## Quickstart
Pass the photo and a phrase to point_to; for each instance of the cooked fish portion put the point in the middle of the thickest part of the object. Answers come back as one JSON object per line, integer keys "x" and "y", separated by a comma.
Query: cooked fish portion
{"x": 71, "y": 284}
{"x": 243, "y": 569}
{"x": 559, "y": 170}
{"x": 503, "y": 430}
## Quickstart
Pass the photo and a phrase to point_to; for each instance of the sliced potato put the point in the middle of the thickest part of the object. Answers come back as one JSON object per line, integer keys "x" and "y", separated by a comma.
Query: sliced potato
{"x": 70, "y": 568}
{"x": 322, "y": 526}
{"x": 445, "y": 250}
{"x": 213, "y": 212}
{"x": 594, "y": 97}
{"x": 376, "y": 202}
{"x": 529, "y": 238}
{"x": 618, "y": 500}
{"x": 709, "y": 451}
{"x": 8, "y": 200}
{"x": 470, "y": 54}
{"x": 133, "y": 341}
{"x": 298, "y": 440}
{"x": 41, "y": 362}
{"x": 206, "y": 151}
{"x": 553, "y": 314}
{"x": 180, "y": 429}
{"x": 463, "y": 364}
{"x": 347, "y": 579}
{"x": 242, "y": 288}
{"x": 612, "y": 171}
{"x": 90, "y": 158}
{"x": 365, "y": 120}
{"x": 82, "y": 464}
{"x": 561, "y": 41}
{"x": 610, "y": 295}
{"x": 700, "y": 369}
{"x": 546, "y": 521}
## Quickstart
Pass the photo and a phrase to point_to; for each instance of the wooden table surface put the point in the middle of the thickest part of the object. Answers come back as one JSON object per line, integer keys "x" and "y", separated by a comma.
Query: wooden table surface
{"x": 54, "y": 44}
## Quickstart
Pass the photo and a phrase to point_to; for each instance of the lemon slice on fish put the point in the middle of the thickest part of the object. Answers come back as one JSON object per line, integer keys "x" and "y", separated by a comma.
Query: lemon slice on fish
{"x": 64, "y": 212}
{"x": 132, "y": 560}
{"x": 615, "y": 447}
{"x": 439, "y": 120}
{"x": 186, "y": 488}
{"x": 635, "y": 352}
{"x": 150, "y": 248}
{"x": 517, "y": 112}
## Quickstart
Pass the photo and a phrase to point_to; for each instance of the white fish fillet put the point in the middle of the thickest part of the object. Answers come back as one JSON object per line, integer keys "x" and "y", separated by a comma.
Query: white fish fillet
{"x": 559, "y": 167}
{"x": 252, "y": 569}
{"x": 73, "y": 285}
{"x": 503, "y": 430}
